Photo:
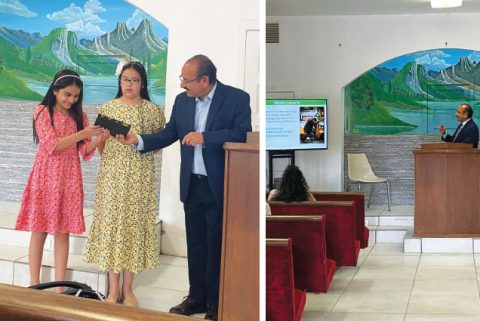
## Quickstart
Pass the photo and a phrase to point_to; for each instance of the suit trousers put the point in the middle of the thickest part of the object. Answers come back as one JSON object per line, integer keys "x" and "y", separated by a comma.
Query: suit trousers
{"x": 203, "y": 220}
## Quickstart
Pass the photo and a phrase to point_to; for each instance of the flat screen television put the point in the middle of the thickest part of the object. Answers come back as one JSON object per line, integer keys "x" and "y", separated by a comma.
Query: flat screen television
{"x": 293, "y": 124}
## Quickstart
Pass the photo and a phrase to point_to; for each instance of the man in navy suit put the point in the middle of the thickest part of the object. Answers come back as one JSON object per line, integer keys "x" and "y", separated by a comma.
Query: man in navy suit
{"x": 467, "y": 130}
{"x": 206, "y": 115}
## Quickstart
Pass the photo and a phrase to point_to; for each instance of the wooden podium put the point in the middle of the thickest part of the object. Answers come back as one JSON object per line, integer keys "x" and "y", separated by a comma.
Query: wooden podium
{"x": 239, "y": 277}
{"x": 447, "y": 190}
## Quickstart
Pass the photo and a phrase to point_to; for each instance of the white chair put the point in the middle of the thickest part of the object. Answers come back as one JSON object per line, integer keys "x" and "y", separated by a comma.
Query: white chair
{"x": 360, "y": 171}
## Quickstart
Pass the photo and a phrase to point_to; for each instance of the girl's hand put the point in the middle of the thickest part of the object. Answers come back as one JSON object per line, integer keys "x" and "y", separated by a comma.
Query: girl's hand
{"x": 91, "y": 130}
{"x": 105, "y": 135}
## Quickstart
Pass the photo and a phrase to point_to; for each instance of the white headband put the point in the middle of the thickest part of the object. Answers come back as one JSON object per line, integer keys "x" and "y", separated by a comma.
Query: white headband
{"x": 64, "y": 76}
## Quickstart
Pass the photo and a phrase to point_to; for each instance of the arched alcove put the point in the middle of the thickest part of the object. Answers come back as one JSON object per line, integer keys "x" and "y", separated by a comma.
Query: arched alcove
{"x": 397, "y": 105}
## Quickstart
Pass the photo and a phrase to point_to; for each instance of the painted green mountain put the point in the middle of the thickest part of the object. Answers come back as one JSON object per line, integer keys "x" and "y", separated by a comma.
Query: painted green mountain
{"x": 14, "y": 88}
{"x": 99, "y": 57}
{"x": 59, "y": 50}
{"x": 369, "y": 98}
{"x": 367, "y": 104}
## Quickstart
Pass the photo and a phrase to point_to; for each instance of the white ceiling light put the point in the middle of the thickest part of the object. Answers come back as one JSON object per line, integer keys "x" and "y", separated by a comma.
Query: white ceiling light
{"x": 446, "y": 3}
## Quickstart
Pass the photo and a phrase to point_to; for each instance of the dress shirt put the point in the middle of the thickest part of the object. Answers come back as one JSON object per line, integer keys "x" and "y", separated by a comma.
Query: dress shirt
{"x": 201, "y": 113}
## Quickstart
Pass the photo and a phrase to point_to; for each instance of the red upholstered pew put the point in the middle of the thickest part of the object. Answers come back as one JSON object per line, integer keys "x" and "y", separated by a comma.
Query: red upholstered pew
{"x": 342, "y": 245}
{"x": 284, "y": 302}
{"x": 362, "y": 231}
{"x": 313, "y": 271}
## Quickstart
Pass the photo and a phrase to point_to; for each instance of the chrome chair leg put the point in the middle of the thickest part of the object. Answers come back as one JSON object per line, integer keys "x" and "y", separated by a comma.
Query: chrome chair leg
{"x": 388, "y": 195}
{"x": 370, "y": 195}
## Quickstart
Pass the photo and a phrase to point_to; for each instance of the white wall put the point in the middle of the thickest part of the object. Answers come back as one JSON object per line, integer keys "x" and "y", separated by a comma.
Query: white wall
{"x": 318, "y": 56}
{"x": 206, "y": 27}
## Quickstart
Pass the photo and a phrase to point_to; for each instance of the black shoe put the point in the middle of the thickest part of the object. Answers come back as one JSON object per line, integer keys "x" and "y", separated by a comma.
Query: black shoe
{"x": 188, "y": 307}
{"x": 212, "y": 314}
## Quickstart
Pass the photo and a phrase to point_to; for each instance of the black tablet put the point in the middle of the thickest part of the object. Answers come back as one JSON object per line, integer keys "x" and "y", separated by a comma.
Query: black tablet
{"x": 114, "y": 126}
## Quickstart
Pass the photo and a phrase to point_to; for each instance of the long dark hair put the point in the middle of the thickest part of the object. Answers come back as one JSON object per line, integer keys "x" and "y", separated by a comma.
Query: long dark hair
{"x": 293, "y": 187}
{"x": 143, "y": 76}
{"x": 62, "y": 79}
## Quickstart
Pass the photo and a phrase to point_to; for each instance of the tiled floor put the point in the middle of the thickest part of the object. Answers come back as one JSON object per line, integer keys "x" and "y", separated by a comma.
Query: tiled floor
{"x": 389, "y": 284}
{"x": 158, "y": 289}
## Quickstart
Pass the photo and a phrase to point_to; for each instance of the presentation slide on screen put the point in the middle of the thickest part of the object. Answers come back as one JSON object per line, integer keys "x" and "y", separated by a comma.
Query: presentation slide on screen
{"x": 296, "y": 124}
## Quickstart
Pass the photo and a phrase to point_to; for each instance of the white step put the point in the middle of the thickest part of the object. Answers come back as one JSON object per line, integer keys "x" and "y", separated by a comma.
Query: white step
{"x": 388, "y": 234}
{"x": 9, "y": 236}
{"x": 14, "y": 268}
{"x": 441, "y": 245}
{"x": 14, "y": 253}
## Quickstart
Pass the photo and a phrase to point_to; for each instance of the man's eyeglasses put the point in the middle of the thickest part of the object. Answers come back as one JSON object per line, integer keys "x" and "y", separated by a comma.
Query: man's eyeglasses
{"x": 186, "y": 81}
{"x": 133, "y": 81}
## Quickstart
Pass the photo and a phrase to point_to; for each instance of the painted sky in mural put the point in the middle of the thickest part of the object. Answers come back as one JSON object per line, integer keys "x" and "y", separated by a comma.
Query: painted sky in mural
{"x": 38, "y": 38}
{"x": 413, "y": 93}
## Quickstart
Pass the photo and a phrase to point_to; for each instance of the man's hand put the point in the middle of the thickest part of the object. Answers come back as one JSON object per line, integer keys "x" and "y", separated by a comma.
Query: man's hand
{"x": 441, "y": 129}
{"x": 193, "y": 138}
{"x": 129, "y": 140}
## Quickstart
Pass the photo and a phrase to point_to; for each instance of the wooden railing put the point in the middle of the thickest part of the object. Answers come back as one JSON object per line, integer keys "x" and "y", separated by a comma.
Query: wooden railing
{"x": 22, "y": 304}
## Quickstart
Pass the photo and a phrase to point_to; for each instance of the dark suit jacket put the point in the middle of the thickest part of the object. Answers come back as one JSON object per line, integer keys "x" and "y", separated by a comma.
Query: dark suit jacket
{"x": 468, "y": 134}
{"x": 229, "y": 120}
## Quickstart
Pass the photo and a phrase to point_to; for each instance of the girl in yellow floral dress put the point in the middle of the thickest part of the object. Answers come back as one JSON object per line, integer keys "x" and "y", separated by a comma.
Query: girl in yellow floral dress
{"x": 122, "y": 237}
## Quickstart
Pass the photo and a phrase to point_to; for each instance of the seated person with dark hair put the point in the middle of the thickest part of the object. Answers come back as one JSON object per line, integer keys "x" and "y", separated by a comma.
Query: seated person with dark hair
{"x": 293, "y": 187}
{"x": 310, "y": 127}
{"x": 467, "y": 130}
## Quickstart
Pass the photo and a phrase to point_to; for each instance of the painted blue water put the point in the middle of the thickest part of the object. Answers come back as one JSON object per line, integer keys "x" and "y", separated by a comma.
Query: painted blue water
{"x": 99, "y": 90}
{"x": 427, "y": 121}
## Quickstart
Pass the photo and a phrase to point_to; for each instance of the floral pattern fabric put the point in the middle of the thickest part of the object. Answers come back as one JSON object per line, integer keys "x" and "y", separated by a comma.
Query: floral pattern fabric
{"x": 52, "y": 201}
{"x": 122, "y": 236}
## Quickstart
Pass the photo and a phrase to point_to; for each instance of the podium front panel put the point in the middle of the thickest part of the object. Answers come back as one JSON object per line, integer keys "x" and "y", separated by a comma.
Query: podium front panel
{"x": 446, "y": 193}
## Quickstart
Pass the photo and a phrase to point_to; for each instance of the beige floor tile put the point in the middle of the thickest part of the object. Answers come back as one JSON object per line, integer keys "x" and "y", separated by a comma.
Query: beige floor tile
{"x": 441, "y": 317}
{"x": 445, "y": 296}
{"x": 390, "y": 249}
{"x": 444, "y": 303}
{"x": 166, "y": 276}
{"x": 453, "y": 287}
{"x": 345, "y": 272}
{"x": 158, "y": 299}
{"x": 340, "y": 316}
{"x": 391, "y": 260}
{"x": 339, "y": 285}
{"x": 314, "y": 316}
{"x": 391, "y": 272}
{"x": 465, "y": 260}
{"x": 322, "y": 302}
{"x": 377, "y": 302}
{"x": 374, "y": 285}
{"x": 446, "y": 272}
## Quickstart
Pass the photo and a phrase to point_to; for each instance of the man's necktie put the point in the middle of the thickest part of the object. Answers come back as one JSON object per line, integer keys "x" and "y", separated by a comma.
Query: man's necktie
{"x": 457, "y": 132}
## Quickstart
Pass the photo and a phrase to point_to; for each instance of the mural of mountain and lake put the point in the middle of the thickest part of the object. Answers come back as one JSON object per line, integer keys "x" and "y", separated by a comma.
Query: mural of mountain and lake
{"x": 38, "y": 38}
{"x": 414, "y": 93}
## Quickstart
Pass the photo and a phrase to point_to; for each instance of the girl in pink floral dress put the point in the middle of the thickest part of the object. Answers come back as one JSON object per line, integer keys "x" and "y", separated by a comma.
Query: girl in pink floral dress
{"x": 52, "y": 202}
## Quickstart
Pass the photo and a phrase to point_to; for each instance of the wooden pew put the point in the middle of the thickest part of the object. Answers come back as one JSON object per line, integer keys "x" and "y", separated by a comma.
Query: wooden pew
{"x": 23, "y": 304}
{"x": 313, "y": 271}
{"x": 342, "y": 245}
{"x": 283, "y": 301}
{"x": 362, "y": 231}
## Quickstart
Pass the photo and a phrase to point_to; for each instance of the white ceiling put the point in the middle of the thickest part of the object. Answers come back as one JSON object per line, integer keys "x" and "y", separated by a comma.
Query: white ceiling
{"x": 360, "y": 7}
